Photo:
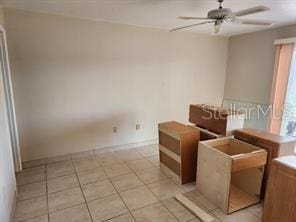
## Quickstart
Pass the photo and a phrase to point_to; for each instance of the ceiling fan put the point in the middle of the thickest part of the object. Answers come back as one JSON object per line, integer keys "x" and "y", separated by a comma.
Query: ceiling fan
{"x": 221, "y": 15}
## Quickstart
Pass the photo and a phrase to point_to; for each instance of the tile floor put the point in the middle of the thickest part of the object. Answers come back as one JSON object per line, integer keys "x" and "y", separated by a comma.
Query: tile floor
{"x": 117, "y": 186}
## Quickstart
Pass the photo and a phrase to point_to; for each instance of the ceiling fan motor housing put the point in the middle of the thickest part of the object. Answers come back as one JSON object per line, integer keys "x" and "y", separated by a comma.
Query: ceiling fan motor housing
{"x": 220, "y": 13}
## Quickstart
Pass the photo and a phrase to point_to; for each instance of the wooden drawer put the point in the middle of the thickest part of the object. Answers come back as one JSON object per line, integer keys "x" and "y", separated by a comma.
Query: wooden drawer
{"x": 250, "y": 160}
{"x": 170, "y": 163}
{"x": 169, "y": 142}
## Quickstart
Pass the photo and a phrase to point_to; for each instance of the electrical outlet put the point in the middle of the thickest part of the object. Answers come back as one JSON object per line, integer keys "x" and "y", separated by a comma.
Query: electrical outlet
{"x": 138, "y": 126}
{"x": 114, "y": 129}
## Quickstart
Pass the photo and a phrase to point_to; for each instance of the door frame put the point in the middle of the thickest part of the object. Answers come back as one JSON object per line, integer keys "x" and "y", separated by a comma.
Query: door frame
{"x": 8, "y": 91}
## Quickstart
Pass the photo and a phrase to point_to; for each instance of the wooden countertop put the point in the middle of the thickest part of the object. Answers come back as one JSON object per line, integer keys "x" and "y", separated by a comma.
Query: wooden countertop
{"x": 267, "y": 136}
{"x": 176, "y": 127}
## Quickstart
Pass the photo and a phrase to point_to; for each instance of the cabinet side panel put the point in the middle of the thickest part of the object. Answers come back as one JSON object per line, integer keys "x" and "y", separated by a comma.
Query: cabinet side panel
{"x": 280, "y": 201}
{"x": 189, "y": 147}
{"x": 213, "y": 176}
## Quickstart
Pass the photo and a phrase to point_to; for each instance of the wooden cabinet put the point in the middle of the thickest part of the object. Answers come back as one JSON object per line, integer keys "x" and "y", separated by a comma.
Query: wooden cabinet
{"x": 275, "y": 146}
{"x": 230, "y": 172}
{"x": 280, "y": 201}
{"x": 215, "y": 119}
{"x": 178, "y": 146}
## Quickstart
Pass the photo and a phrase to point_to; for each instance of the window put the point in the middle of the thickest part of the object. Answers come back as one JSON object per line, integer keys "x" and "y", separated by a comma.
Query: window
{"x": 288, "y": 126}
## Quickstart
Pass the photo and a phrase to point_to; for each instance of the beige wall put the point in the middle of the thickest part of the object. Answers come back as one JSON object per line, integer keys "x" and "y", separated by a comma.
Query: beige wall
{"x": 250, "y": 64}
{"x": 75, "y": 79}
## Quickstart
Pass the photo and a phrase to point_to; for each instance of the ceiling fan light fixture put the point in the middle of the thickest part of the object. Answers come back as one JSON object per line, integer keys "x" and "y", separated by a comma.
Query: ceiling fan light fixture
{"x": 217, "y": 27}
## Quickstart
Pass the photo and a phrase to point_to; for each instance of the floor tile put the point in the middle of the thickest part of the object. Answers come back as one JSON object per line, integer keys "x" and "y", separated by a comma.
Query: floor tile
{"x": 31, "y": 175}
{"x": 106, "y": 208}
{"x": 108, "y": 159}
{"x": 177, "y": 209}
{"x": 58, "y": 169}
{"x": 154, "y": 213}
{"x": 241, "y": 216}
{"x": 33, "y": 163}
{"x": 117, "y": 170}
{"x": 31, "y": 190}
{"x": 65, "y": 199}
{"x": 140, "y": 165}
{"x": 197, "y": 198}
{"x": 82, "y": 154}
{"x": 62, "y": 183}
{"x": 31, "y": 208}
{"x": 128, "y": 155}
{"x": 43, "y": 218}
{"x": 97, "y": 190}
{"x": 86, "y": 164}
{"x": 165, "y": 189}
{"x": 148, "y": 151}
{"x": 138, "y": 198}
{"x": 123, "y": 218}
{"x": 58, "y": 158}
{"x": 91, "y": 176}
{"x": 74, "y": 214}
{"x": 154, "y": 160}
{"x": 126, "y": 182}
{"x": 151, "y": 175}
{"x": 256, "y": 210}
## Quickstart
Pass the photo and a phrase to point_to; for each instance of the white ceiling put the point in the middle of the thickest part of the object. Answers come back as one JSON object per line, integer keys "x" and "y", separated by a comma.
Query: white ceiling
{"x": 161, "y": 13}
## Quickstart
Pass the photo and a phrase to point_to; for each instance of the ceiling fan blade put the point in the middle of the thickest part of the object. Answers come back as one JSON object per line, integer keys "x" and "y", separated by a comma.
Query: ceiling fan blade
{"x": 251, "y": 10}
{"x": 188, "y": 26}
{"x": 254, "y": 22}
{"x": 188, "y": 18}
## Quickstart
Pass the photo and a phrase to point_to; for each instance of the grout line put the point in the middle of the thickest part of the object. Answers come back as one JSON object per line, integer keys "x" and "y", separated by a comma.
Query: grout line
{"x": 120, "y": 198}
{"x": 66, "y": 208}
{"x": 160, "y": 201}
{"x": 63, "y": 190}
{"x": 30, "y": 198}
{"x": 85, "y": 202}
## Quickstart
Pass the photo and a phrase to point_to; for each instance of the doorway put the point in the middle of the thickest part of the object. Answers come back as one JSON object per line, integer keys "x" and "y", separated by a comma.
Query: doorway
{"x": 6, "y": 88}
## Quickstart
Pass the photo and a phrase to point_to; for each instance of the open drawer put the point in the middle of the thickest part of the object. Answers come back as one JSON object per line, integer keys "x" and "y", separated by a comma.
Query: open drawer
{"x": 230, "y": 172}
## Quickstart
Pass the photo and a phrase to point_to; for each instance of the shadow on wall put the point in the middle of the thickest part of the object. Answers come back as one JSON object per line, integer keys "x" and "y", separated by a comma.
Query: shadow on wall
{"x": 81, "y": 135}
